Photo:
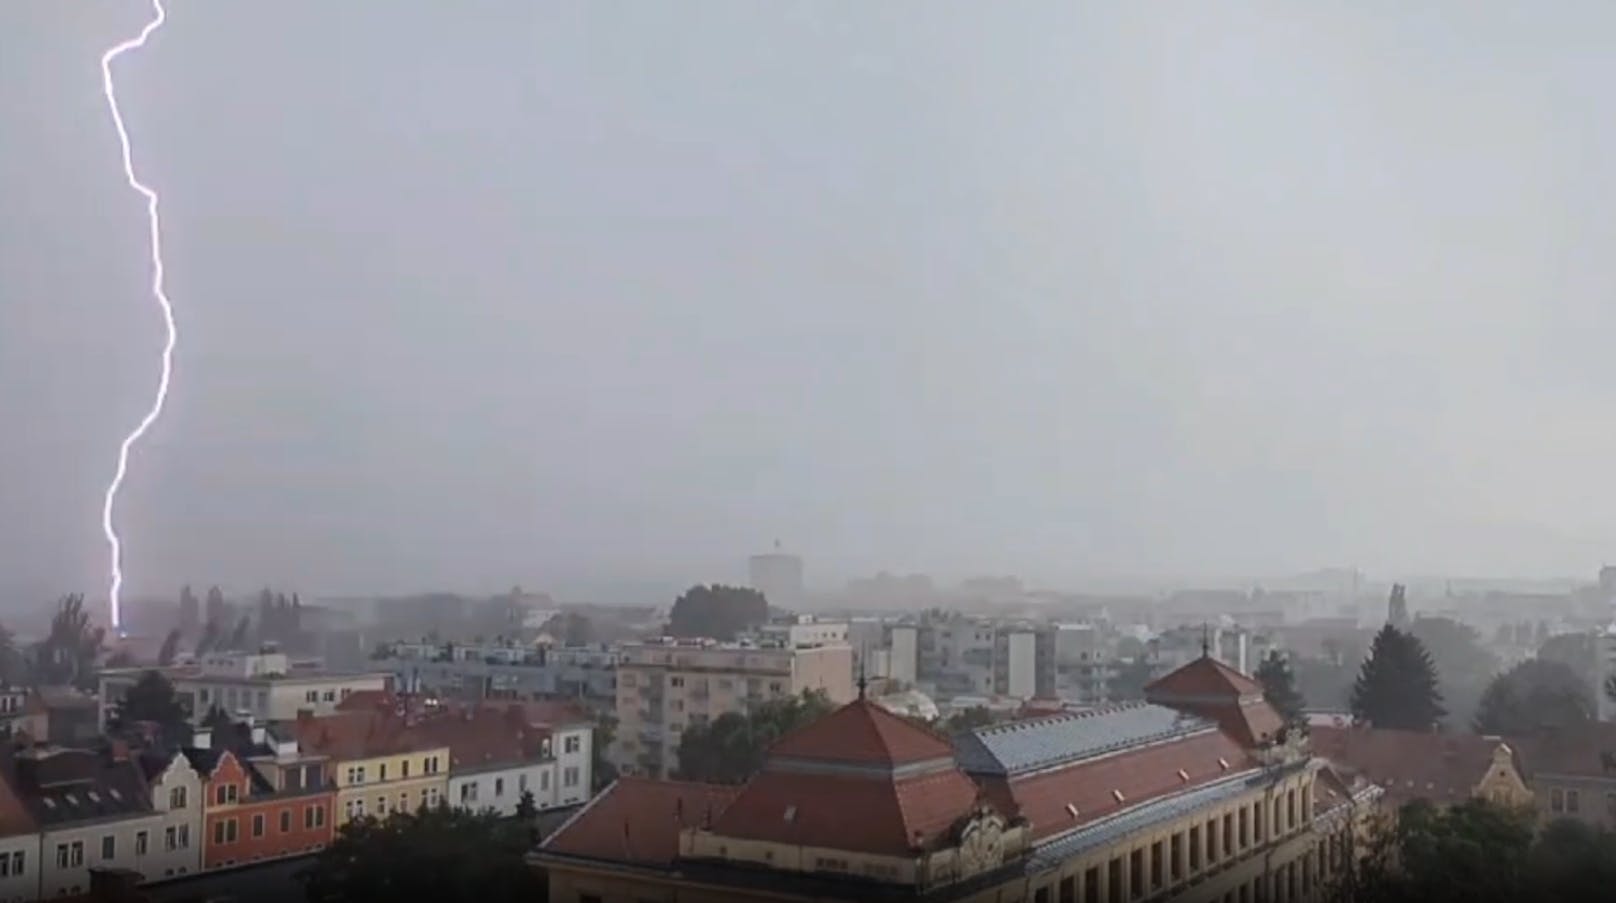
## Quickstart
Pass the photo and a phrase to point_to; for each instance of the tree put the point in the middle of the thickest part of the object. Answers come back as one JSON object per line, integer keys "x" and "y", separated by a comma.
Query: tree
{"x": 1533, "y": 695}
{"x": 1573, "y": 861}
{"x": 719, "y": 612}
{"x": 730, "y": 748}
{"x": 526, "y": 808}
{"x": 1130, "y": 678}
{"x": 216, "y": 610}
{"x": 209, "y": 638}
{"x": 152, "y": 699}
{"x": 441, "y": 854}
{"x": 1397, "y": 684}
{"x": 171, "y": 648}
{"x": 68, "y": 653}
{"x": 601, "y": 765}
{"x": 1577, "y": 650}
{"x": 190, "y": 610}
{"x": 238, "y": 637}
{"x": 1472, "y": 851}
{"x": 967, "y": 719}
{"x": 218, "y": 720}
{"x": 13, "y": 669}
{"x": 1279, "y": 687}
{"x": 1463, "y": 666}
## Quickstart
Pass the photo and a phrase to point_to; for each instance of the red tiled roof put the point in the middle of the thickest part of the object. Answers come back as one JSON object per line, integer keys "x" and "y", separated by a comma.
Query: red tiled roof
{"x": 863, "y": 733}
{"x": 841, "y": 812}
{"x": 1583, "y": 750}
{"x": 360, "y": 700}
{"x": 483, "y": 737}
{"x": 1137, "y": 774}
{"x": 1204, "y": 677}
{"x": 361, "y": 734}
{"x": 1441, "y": 768}
{"x": 637, "y": 821}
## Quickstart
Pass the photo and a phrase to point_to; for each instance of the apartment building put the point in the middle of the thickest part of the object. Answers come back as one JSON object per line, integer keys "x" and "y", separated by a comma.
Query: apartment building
{"x": 1572, "y": 772}
{"x": 665, "y": 686}
{"x": 266, "y": 686}
{"x": 378, "y": 761}
{"x": 1197, "y": 793}
{"x": 499, "y": 751}
{"x": 504, "y": 671}
{"x": 261, "y": 797}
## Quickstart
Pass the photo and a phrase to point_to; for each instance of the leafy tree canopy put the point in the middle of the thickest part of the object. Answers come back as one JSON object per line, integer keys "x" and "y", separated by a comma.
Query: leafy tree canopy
{"x": 1279, "y": 687}
{"x": 152, "y": 698}
{"x": 717, "y": 611}
{"x": 730, "y": 748}
{"x": 1533, "y": 695}
{"x": 439, "y": 854}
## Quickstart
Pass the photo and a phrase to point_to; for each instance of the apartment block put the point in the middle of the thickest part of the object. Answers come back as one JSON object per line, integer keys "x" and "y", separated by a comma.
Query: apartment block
{"x": 266, "y": 686}
{"x": 665, "y": 686}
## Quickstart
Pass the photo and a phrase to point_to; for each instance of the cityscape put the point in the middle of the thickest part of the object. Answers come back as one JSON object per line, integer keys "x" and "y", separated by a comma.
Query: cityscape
{"x": 917, "y": 451}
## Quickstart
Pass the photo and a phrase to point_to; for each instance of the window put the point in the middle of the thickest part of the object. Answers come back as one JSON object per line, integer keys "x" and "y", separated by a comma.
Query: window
{"x": 569, "y": 777}
{"x": 185, "y": 837}
{"x": 1136, "y": 873}
{"x": 142, "y": 840}
{"x": 521, "y": 784}
{"x": 404, "y": 768}
{"x": 1155, "y": 867}
{"x": 230, "y": 792}
{"x": 1279, "y": 816}
{"x": 1114, "y": 880}
{"x": 1176, "y": 858}
{"x": 17, "y": 863}
{"x": 61, "y": 855}
{"x": 331, "y": 696}
{"x": 230, "y": 830}
{"x": 1068, "y": 889}
{"x": 381, "y": 807}
{"x": 431, "y": 765}
{"x": 1228, "y": 836}
{"x": 109, "y": 847}
{"x": 311, "y": 696}
{"x": 676, "y": 681}
{"x": 381, "y": 772}
{"x": 544, "y": 781}
{"x": 176, "y": 798}
{"x": 258, "y": 825}
{"x": 1091, "y": 885}
{"x": 571, "y": 744}
{"x": 169, "y": 838}
{"x": 1290, "y": 809}
{"x": 1243, "y": 837}
{"x": 499, "y": 786}
{"x": 468, "y": 792}
{"x": 403, "y": 802}
{"x": 1211, "y": 841}
{"x": 432, "y": 796}
{"x": 1571, "y": 801}
{"x": 356, "y": 774}
{"x": 1195, "y": 847}
{"x": 218, "y": 832}
{"x": 76, "y": 854}
{"x": 286, "y": 820}
{"x": 1556, "y": 800}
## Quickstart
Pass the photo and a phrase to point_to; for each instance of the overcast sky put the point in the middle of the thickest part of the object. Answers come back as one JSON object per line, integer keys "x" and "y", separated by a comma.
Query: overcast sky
{"x": 485, "y": 293}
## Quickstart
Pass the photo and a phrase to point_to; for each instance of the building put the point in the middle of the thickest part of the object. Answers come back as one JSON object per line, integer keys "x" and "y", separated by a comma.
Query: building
{"x": 378, "y": 760}
{"x": 1440, "y": 768}
{"x": 664, "y": 686}
{"x": 778, "y": 577}
{"x": 1199, "y": 787}
{"x": 497, "y": 752}
{"x": 587, "y": 674}
{"x": 1572, "y": 772}
{"x": 804, "y": 630}
{"x": 97, "y": 810}
{"x": 261, "y": 798}
{"x": 267, "y": 686}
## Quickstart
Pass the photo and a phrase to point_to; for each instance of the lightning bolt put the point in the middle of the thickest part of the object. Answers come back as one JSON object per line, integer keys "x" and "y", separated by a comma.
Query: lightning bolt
{"x": 114, "y": 543}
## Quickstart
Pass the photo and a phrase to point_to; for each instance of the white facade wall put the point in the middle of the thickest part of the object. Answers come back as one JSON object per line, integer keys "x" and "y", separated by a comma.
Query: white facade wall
{"x": 904, "y": 663}
{"x": 19, "y": 875}
{"x": 573, "y": 749}
{"x": 1022, "y": 667}
{"x": 500, "y": 789}
{"x": 68, "y": 853}
{"x": 177, "y": 801}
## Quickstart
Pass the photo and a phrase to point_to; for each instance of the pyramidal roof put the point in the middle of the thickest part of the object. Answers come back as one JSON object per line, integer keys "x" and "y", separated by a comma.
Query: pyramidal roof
{"x": 862, "y": 733}
{"x": 1204, "y": 678}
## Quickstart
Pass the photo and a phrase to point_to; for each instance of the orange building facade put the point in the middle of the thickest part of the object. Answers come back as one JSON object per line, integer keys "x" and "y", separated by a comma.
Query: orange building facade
{"x": 262, "y": 808}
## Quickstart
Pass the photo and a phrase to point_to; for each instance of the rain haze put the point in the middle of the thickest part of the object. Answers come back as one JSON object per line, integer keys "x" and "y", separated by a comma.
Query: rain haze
{"x": 499, "y": 292}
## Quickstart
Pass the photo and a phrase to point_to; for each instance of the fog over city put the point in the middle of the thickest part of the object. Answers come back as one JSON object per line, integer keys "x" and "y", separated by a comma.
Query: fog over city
{"x": 564, "y": 294}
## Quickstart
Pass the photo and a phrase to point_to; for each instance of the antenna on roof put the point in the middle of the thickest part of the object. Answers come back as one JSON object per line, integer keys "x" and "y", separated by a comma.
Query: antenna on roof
{"x": 1206, "y": 640}
{"x": 862, "y": 682}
